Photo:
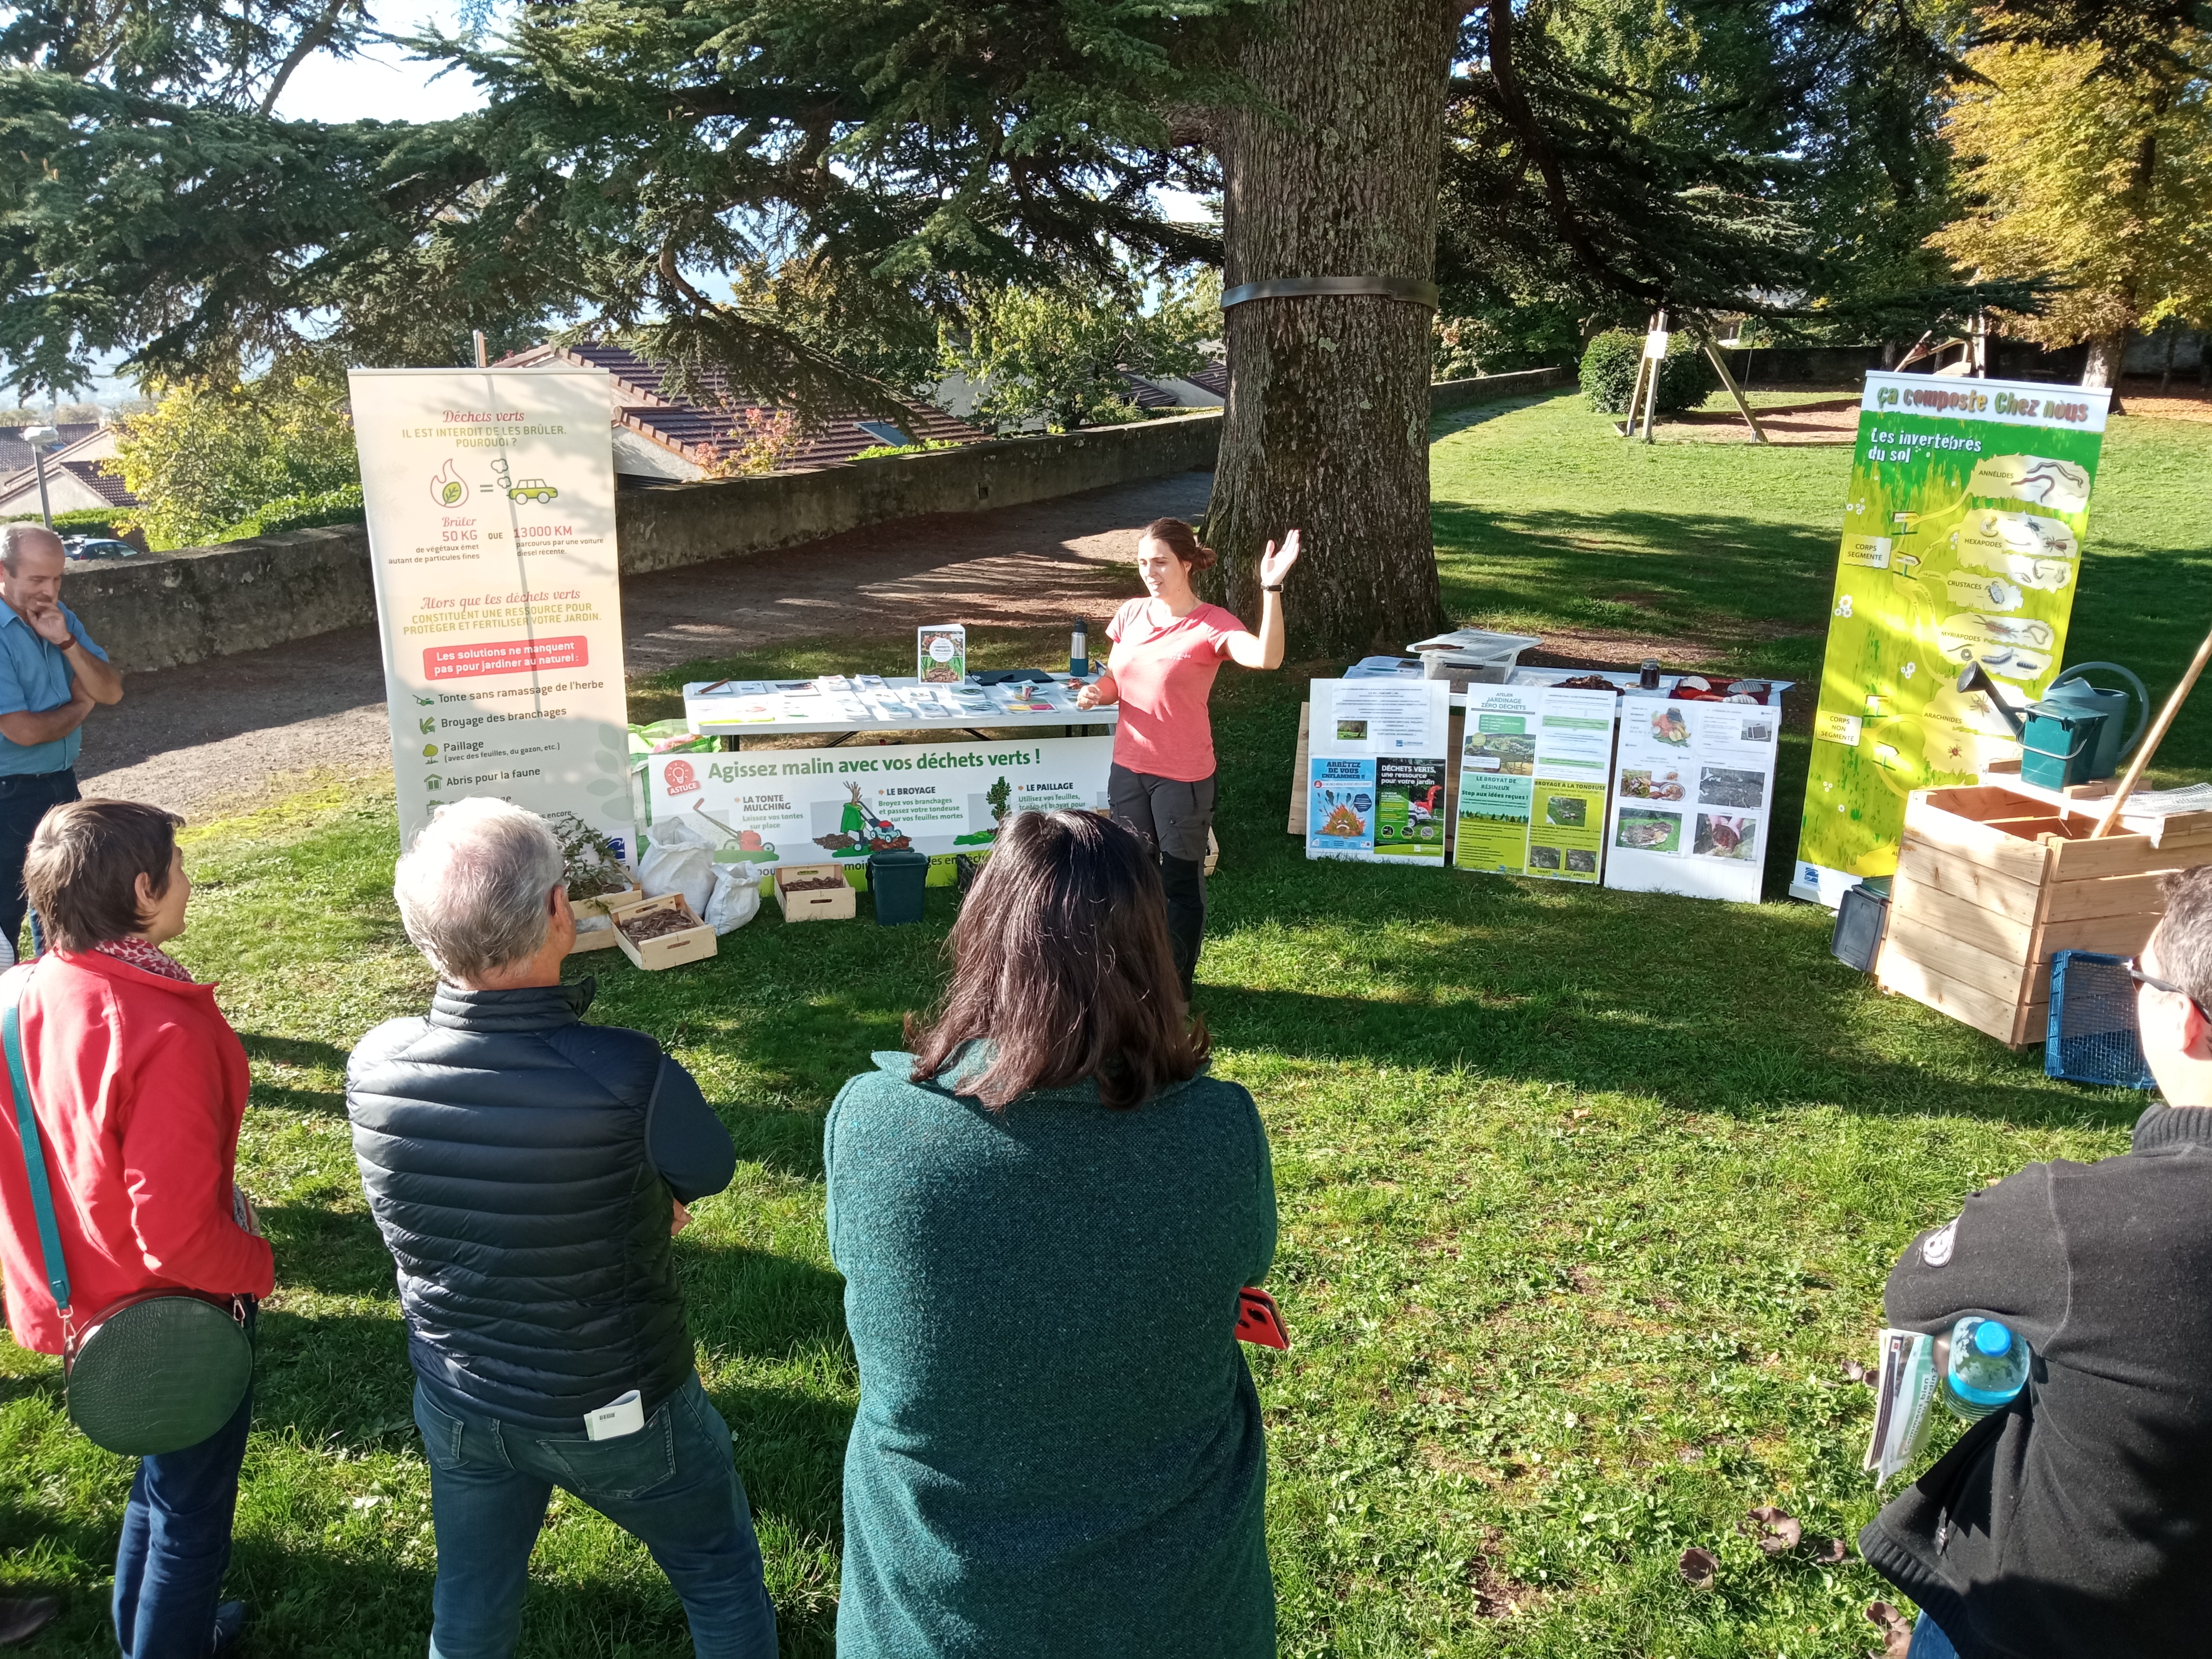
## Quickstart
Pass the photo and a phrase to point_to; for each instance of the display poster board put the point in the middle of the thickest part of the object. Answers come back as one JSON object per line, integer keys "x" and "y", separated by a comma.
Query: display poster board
{"x": 771, "y": 806}
{"x": 1693, "y": 796}
{"x": 1962, "y": 541}
{"x": 1378, "y": 755}
{"x": 1534, "y": 766}
{"x": 490, "y": 497}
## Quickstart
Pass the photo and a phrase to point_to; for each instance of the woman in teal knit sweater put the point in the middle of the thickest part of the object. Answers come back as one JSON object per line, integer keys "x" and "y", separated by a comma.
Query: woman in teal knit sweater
{"x": 1044, "y": 1215}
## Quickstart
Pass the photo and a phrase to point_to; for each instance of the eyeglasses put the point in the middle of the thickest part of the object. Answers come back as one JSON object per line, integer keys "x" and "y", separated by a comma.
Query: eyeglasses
{"x": 2136, "y": 973}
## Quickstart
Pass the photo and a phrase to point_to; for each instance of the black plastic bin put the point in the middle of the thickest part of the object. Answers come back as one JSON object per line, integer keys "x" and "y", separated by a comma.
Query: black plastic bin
{"x": 897, "y": 879}
{"x": 1862, "y": 919}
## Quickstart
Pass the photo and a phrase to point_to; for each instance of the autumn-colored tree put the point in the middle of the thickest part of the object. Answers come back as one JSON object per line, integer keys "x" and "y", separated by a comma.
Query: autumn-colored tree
{"x": 2095, "y": 175}
{"x": 209, "y": 452}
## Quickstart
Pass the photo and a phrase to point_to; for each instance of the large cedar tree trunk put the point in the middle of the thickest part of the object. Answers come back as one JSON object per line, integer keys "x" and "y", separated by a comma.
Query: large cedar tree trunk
{"x": 1327, "y": 425}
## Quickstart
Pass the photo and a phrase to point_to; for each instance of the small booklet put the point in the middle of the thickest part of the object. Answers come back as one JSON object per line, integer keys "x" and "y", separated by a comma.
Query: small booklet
{"x": 941, "y": 653}
{"x": 1905, "y": 1399}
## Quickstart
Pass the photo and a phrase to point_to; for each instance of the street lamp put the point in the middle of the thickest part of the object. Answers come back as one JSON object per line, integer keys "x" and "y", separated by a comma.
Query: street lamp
{"x": 40, "y": 438}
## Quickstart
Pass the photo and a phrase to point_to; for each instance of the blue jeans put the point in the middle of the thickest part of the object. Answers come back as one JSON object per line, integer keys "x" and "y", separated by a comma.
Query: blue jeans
{"x": 1929, "y": 1642}
{"x": 176, "y": 1545}
{"x": 673, "y": 1485}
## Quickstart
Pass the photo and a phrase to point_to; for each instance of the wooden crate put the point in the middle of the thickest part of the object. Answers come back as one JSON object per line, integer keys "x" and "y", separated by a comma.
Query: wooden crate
{"x": 602, "y": 904}
{"x": 694, "y": 944}
{"x": 838, "y": 903}
{"x": 1992, "y": 882}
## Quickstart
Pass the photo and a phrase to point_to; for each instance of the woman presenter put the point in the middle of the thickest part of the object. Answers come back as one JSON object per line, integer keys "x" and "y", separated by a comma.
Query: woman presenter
{"x": 1167, "y": 646}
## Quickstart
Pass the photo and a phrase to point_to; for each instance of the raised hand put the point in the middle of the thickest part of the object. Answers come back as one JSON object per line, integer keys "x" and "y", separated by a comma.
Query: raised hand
{"x": 1274, "y": 566}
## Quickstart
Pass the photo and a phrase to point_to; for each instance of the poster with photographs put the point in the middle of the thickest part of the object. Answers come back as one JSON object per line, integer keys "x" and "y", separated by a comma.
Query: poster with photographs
{"x": 1375, "y": 768}
{"x": 1533, "y": 761}
{"x": 1496, "y": 779}
{"x": 1693, "y": 796}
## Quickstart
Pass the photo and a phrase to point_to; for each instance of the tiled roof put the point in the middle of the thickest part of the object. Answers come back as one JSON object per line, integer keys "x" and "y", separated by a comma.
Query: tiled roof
{"x": 704, "y": 435}
{"x": 1214, "y": 377}
{"x": 107, "y": 487}
{"x": 1145, "y": 395}
{"x": 15, "y": 454}
{"x": 87, "y": 437}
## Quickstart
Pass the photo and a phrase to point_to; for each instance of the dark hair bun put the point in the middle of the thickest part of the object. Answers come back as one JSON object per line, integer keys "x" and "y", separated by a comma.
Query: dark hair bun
{"x": 1180, "y": 539}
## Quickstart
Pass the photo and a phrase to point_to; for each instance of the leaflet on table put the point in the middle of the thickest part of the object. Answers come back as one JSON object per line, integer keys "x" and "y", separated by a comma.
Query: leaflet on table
{"x": 1377, "y": 766}
{"x": 1532, "y": 766}
{"x": 1693, "y": 797}
{"x": 806, "y": 806}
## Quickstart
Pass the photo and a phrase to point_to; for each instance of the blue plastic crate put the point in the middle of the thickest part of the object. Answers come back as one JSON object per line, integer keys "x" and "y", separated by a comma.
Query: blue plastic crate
{"x": 2091, "y": 1036}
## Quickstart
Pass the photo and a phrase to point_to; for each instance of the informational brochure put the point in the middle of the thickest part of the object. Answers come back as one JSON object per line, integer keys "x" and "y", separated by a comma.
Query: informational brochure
{"x": 1693, "y": 796}
{"x": 941, "y": 653}
{"x": 1533, "y": 772}
{"x": 1377, "y": 766}
{"x": 1905, "y": 1393}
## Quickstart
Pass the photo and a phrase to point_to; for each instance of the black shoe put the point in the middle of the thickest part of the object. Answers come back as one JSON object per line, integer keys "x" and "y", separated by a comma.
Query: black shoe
{"x": 23, "y": 1619}
{"x": 230, "y": 1628}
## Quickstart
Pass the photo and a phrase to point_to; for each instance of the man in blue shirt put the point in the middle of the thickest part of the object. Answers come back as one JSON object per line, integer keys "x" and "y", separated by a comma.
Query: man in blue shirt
{"x": 51, "y": 675}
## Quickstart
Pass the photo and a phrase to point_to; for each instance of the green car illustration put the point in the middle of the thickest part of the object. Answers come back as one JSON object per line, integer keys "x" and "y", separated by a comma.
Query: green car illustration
{"x": 532, "y": 489}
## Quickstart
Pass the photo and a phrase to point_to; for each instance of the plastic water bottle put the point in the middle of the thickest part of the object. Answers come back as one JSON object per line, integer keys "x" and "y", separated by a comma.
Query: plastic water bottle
{"x": 1986, "y": 1370}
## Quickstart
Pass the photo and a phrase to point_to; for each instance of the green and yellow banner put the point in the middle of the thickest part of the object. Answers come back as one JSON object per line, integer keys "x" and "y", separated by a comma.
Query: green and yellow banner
{"x": 1962, "y": 542}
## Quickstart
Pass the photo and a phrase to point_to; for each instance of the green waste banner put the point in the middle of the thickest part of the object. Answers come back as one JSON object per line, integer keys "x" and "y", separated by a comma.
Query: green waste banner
{"x": 1962, "y": 542}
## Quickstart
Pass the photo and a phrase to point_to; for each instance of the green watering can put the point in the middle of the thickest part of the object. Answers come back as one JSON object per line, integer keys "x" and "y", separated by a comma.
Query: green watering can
{"x": 2071, "y": 695}
{"x": 2072, "y": 733}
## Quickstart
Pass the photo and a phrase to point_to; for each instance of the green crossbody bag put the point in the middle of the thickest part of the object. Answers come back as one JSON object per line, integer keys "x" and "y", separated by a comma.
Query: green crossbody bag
{"x": 154, "y": 1372}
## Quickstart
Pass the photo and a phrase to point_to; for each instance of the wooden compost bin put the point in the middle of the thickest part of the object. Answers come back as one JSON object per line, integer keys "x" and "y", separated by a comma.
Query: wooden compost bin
{"x": 1992, "y": 882}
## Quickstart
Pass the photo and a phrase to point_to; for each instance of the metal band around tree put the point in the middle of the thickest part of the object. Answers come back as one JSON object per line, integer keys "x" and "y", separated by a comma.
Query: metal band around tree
{"x": 1411, "y": 289}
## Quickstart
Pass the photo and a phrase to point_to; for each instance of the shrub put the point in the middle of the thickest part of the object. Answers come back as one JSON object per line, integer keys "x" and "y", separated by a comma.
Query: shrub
{"x": 1608, "y": 376}
{"x": 328, "y": 506}
{"x": 83, "y": 521}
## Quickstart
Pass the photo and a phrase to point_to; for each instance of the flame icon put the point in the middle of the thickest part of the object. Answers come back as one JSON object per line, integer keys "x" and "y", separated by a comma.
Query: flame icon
{"x": 446, "y": 488}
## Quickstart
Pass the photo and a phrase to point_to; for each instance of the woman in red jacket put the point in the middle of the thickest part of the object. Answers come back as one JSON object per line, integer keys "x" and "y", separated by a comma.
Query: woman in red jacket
{"x": 139, "y": 1085}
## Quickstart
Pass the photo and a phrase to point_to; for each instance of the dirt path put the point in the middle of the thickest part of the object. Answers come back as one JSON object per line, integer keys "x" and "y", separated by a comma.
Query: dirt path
{"x": 223, "y": 733}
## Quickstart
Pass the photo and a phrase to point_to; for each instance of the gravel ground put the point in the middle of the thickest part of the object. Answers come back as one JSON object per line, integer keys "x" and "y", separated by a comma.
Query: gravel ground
{"x": 222, "y": 735}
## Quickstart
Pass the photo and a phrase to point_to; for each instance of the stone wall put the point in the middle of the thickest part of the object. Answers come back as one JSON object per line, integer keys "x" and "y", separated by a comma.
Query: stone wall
{"x": 1492, "y": 388}
{"x": 164, "y": 608}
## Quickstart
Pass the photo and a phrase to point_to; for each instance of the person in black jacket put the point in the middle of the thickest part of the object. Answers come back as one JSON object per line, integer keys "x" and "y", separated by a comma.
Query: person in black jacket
{"x": 528, "y": 1172}
{"x": 2078, "y": 1522}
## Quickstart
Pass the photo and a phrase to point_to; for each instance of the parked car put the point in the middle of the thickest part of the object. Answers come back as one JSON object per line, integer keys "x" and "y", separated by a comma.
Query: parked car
{"x": 97, "y": 547}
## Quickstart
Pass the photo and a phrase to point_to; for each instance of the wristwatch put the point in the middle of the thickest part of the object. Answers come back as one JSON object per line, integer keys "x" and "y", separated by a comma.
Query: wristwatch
{"x": 1277, "y": 588}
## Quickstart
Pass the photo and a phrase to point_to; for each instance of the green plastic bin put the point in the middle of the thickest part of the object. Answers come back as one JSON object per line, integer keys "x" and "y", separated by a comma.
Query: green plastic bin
{"x": 896, "y": 879}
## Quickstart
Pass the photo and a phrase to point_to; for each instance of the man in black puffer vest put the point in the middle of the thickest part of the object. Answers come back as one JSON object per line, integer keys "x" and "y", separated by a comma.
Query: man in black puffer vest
{"x": 528, "y": 1172}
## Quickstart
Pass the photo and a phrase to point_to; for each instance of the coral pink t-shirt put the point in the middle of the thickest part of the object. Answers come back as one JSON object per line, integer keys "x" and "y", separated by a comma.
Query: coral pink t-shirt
{"x": 1165, "y": 675}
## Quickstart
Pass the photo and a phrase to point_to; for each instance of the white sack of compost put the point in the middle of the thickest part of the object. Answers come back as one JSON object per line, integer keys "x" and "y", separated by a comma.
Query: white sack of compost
{"x": 736, "y": 897}
{"x": 678, "y": 859}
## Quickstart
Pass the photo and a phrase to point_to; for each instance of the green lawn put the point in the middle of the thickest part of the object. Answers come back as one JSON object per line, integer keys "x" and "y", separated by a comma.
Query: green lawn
{"x": 1586, "y": 1196}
